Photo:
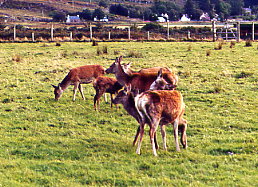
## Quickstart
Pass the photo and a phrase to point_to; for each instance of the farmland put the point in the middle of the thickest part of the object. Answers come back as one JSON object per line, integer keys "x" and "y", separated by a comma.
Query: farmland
{"x": 66, "y": 143}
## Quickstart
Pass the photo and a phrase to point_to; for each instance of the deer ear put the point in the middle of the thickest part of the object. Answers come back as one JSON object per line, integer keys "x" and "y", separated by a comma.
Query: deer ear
{"x": 160, "y": 73}
{"x": 120, "y": 59}
{"x": 54, "y": 86}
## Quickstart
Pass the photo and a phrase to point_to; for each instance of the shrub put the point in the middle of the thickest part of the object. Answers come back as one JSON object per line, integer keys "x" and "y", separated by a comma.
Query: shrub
{"x": 232, "y": 44}
{"x": 17, "y": 58}
{"x": 248, "y": 43}
{"x": 135, "y": 54}
{"x": 208, "y": 53}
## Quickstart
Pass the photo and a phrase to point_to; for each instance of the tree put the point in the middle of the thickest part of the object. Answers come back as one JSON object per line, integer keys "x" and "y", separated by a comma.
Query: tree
{"x": 222, "y": 9}
{"x": 191, "y": 10}
{"x": 57, "y": 16}
{"x": 236, "y": 7}
{"x": 86, "y": 14}
{"x": 98, "y": 13}
{"x": 103, "y": 3}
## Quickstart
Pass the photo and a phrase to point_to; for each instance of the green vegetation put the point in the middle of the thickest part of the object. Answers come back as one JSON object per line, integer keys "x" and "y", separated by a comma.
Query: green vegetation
{"x": 66, "y": 143}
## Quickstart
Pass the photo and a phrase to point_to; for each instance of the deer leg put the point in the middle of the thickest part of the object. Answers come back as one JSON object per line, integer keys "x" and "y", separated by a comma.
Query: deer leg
{"x": 111, "y": 98}
{"x": 81, "y": 91}
{"x": 182, "y": 129}
{"x": 97, "y": 96}
{"x": 164, "y": 138}
{"x": 175, "y": 125}
{"x": 76, "y": 85}
{"x": 152, "y": 137}
{"x": 138, "y": 150}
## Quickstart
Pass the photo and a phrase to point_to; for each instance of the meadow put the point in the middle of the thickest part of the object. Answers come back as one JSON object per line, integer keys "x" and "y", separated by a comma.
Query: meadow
{"x": 66, "y": 143}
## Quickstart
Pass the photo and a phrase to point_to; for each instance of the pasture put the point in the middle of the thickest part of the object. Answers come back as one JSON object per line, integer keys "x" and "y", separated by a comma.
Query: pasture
{"x": 66, "y": 143}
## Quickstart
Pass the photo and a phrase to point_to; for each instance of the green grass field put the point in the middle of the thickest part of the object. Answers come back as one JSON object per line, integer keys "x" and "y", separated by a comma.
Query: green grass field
{"x": 66, "y": 143}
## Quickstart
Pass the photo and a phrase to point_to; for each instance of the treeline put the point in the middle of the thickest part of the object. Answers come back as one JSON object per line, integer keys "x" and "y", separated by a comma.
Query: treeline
{"x": 219, "y": 9}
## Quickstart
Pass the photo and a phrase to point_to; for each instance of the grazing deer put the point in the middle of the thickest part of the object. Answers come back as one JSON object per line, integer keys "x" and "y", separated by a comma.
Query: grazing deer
{"x": 161, "y": 107}
{"x": 77, "y": 76}
{"x": 105, "y": 85}
{"x": 139, "y": 81}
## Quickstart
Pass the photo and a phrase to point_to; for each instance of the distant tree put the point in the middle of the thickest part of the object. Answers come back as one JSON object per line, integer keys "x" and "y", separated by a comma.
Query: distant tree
{"x": 152, "y": 27}
{"x": 191, "y": 9}
{"x": 98, "y": 13}
{"x": 170, "y": 8}
{"x": 86, "y": 14}
{"x": 57, "y": 16}
{"x": 118, "y": 9}
{"x": 103, "y": 3}
{"x": 205, "y": 5}
{"x": 236, "y": 7}
{"x": 222, "y": 9}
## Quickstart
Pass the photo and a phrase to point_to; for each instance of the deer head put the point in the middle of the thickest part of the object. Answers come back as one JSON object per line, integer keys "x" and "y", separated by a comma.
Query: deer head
{"x": 57, "y": 91}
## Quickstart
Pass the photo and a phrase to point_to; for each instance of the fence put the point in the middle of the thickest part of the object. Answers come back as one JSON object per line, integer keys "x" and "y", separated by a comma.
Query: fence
{"x": 88, "y": 33}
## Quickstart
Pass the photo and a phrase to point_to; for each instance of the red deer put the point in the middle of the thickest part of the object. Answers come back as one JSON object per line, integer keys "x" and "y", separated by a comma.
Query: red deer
{"x": 139, "y": 81}
{"x": 77, "y": 76}
{"x": 161, "y": 107}
{"x": 126, "y": 98}
{"x": 127, "y": 69}
{"x": 105, "y": 85}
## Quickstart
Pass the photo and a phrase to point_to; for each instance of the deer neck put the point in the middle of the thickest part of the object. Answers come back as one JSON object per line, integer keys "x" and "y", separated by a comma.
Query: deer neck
{"x": 65, "y": 83}
{"x": 121, "y": 76}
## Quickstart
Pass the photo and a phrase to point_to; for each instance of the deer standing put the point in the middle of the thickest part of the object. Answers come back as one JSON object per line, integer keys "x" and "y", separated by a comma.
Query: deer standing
{"x": 105, "y": 85}
{"x": 161, "y": 107}
{"x": 77, "y": 76}
{"x": 139, "y": 81}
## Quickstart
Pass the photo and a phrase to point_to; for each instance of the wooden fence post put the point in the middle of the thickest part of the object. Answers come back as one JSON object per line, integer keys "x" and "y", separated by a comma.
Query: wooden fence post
{"x": 52, "y": 33}
{"x": 109, "y": 35}
{"x": 167, "y": 30}
{"x": 71, "y": 36}
{"x": 214, "y": 30}
{"x": 14, "y": 32}
{"x": 238, "y": 31}
{"x": 90, "y": 32}
{"x": 129, "y": 33}
{"x": 148, "y": 35}
{"x": 33, "y": 37}
{"x": 253, "y": 31}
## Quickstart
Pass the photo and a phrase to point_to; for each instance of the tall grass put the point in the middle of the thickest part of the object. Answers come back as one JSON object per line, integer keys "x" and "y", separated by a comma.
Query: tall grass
{"x": 66, "y": 143}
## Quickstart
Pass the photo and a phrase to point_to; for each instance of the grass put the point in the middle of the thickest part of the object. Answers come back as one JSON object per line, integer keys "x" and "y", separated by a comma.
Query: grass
{"x": 66, "y": 143}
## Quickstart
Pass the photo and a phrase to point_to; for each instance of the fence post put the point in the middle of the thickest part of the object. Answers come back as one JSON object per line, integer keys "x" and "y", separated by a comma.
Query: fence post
{"x": 188, "y": 35}
{"x": 253, "y": 31}
{"x": 167, "y": 30}
{"x": 52, "y": 32}
{"x": 214, "y": 30}
{"x": 71, "y": 36}
{"x": 238, "y": 31}
{"x": 90, "y": 32}
{"x": 148, "y": 35}
{"x": 129, "y": 33}
{"x": 33, "y": 37}
{"x": 14, "y": 32}
{"x": 109, "y": 35}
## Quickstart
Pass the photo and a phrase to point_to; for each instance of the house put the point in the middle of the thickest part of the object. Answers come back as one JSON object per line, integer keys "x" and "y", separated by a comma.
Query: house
{"x": 205, "y": 17}
{"x": 247, "y": 11}
{"x": 185, "y": 18}
{"x": 73, "y": 19}
{"x": 163, "y": 18}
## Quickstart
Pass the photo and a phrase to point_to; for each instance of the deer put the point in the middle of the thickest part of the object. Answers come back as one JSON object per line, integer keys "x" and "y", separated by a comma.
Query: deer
{"x": 139, "y": 81}
{"x": 105, "y": 85}
{"x": 159, "y": 108}
{"x": 77, "y": 76}
{"x": 126, "y": 98}
{"x": 127, "y": 69}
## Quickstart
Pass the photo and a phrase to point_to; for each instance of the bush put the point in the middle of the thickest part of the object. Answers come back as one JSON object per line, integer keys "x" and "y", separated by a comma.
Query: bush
{"x": 248, "y": 43}
{"x": 152, "y": 27}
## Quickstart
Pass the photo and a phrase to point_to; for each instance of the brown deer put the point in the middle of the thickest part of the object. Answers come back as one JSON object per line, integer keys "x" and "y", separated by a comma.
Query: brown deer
{"x": 127, "y": 69}
{"x": 105, "y": 85}
{"x": 139, "y": 81}
{"x": 126, "y": 98}
{"x": 161, "y": 107}
{"x": 77, "y": 76}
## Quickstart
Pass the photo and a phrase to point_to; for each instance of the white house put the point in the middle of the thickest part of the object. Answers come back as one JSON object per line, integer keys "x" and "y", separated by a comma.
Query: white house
{"x": 73, "y": 19}
{"x": 205, "y": 17}
{"x": 185, "y": 18}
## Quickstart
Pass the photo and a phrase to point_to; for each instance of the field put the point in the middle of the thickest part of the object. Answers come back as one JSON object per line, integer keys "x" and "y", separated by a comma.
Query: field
{"x": 66, "y": 143}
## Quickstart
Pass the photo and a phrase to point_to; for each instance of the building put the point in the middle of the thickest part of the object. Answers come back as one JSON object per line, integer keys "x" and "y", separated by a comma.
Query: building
{"x": 73, "y": 19}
